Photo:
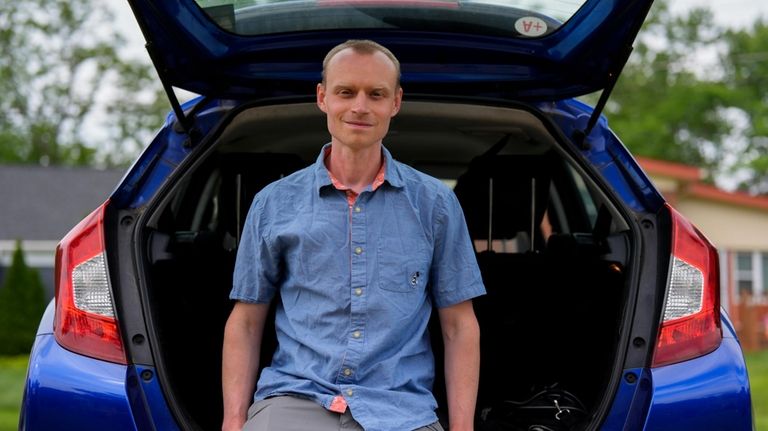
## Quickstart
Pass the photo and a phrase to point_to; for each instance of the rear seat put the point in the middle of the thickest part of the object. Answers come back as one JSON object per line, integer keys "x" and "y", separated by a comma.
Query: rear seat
{"x": 549, "y": 306}
{"x": 504, "y": 198}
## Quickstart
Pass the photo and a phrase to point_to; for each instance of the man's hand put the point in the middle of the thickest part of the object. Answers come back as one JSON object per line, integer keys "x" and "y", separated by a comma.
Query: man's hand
{"x": 240, "y": 361}
{"x": 461, "y": 336}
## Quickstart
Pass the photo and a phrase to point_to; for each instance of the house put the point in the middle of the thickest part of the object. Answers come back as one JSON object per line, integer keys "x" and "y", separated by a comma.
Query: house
{"x": 41, "y": 204}
{"x": 735, "y": 222}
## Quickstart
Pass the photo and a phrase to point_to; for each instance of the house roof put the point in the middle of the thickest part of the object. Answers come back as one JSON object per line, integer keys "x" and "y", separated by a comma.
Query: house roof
{"x": 691, "y": 184}
{"x": 44, "y": 203}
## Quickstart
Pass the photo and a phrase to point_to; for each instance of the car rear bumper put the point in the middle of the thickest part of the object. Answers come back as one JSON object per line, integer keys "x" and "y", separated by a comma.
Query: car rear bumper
{"x": 68, "y": 391}
{"x": 711, "y": 392}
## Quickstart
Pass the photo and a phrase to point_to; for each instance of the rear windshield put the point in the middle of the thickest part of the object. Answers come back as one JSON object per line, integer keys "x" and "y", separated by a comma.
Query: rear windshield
{"x": 516, "y": 18}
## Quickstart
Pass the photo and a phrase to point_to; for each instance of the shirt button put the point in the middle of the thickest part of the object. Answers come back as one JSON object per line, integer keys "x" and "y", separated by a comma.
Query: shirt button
{"x": 358, "y": 291}
{"x": 347, "y": 372}
{"x": 358, "y": 209}
{"x": 358, "y": 250}
{"x": 356, "y": 334}
{"x": 350, "y": 392}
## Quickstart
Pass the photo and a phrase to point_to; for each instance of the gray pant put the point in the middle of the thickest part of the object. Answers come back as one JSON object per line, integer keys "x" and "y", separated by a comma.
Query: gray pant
{"x": 287, "y": 413}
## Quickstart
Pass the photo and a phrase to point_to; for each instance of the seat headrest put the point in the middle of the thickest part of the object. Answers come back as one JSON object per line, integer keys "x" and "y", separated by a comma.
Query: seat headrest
{"x": 513, "y": 194}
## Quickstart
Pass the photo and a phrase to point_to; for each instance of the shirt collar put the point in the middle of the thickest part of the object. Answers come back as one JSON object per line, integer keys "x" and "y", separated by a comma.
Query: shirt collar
{"x": 391, "y": 173}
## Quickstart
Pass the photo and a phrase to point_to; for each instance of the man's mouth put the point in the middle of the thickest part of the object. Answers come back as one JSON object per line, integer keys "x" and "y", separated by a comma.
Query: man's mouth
{"x": 358, "y": 123}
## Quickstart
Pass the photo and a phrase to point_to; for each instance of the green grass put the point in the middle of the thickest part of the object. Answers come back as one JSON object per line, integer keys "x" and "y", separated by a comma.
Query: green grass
{"x": 13, "y": 370}
{"x": 757, "y": 366}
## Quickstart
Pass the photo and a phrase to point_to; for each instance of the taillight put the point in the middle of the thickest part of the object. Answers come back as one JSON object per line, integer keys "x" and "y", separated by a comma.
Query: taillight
{"x": 690, "y": 324}
{"x": 85, "y": 314}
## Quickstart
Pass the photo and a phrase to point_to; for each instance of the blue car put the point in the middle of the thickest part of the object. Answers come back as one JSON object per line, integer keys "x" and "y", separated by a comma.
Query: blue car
{"x": 603, "y": 306}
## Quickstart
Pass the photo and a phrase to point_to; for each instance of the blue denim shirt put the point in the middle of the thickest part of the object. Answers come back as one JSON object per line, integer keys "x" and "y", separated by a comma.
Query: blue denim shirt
{"x": 356, "y": 288}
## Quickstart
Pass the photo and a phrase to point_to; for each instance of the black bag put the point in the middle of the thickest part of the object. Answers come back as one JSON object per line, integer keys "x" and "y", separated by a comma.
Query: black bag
{"x": 547, "y": 409}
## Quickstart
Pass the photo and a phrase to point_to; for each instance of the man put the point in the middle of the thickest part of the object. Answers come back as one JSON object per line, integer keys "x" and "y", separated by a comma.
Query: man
{"x": 359, "y": 247}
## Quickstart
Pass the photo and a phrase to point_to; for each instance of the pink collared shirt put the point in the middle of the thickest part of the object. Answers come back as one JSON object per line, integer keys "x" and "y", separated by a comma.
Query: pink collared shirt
{"x": 378, "y": 180}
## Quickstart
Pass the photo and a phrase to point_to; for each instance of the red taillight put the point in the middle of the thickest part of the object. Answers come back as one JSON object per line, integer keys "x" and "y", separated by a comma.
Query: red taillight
{"x": 85, "y": 320}
{"x": 690, "y": 324}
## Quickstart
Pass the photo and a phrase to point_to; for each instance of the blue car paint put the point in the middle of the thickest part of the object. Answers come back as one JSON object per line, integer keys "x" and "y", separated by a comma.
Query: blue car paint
{"x": 68, "y": 391}
{"x": 167, "y": 150}
{"x": 686, "y": 394}
{"x": 630, "y": 403}
{"x": 607, "y": 154}
{"x": 147, "y": 397}
{"x": 197, "y": 55}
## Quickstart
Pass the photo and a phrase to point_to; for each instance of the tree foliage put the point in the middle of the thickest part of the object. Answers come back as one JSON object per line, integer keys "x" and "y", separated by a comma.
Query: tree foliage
{"x": 667, "y": 105}
{"x": 746, "y": 65}
{"x": 22, "y": 302}
{"x": 662, "y": 107}
{"x": 61, "y": 67}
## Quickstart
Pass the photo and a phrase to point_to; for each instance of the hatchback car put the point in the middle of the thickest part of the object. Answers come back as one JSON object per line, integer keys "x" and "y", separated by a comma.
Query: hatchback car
{"x": 603, "y": 305}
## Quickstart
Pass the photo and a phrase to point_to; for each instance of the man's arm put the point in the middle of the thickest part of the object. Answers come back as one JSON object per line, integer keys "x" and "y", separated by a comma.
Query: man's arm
{"x": 461, "y": 337}
{"x": 240, "y": 361}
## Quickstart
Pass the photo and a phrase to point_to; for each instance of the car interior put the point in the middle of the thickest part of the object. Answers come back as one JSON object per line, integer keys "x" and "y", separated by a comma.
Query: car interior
{"x": 551, "y": 244}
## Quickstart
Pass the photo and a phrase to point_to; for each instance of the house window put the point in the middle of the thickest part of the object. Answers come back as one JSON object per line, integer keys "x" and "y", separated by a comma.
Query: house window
{"x": 744, "y": 273}
{"x": 764, "y": 274}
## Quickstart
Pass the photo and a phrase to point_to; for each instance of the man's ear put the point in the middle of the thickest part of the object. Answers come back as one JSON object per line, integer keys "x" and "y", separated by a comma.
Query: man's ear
{"x": 321, "y": 97}
{"x": 398, "y": 101}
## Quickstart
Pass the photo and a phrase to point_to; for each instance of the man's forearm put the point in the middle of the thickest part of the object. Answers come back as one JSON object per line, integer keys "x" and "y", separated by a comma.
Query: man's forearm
{"x": 240, "y": 362}
{"x": 462, "y": 369}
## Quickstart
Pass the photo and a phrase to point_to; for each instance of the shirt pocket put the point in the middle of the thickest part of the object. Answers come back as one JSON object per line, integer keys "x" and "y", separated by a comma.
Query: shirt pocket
{"x": 403, "y": 265}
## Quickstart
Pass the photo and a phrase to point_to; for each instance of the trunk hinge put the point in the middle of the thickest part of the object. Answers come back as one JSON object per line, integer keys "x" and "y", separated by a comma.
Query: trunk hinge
{"x": 580, "y": 136}
{"x": 184, "y": 123}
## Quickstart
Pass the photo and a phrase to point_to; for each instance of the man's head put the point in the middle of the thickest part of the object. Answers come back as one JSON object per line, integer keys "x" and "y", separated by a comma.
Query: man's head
{"x": 360, "y": 93}
{"x": 362, "y": 46}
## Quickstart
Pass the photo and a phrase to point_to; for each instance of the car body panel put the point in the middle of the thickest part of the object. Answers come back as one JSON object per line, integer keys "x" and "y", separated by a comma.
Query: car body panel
{"x": 679, "y": 396}
{"x": 606, "y": 154}
{"x": 586, "y": 53}
{"x": 685, "y": 393}
{"x": 630, "y": 403}
{"x": 66, "y": 390}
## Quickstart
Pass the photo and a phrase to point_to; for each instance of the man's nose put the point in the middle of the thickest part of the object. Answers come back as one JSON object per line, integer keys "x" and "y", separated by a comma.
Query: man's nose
{"x": 360, "y": 104}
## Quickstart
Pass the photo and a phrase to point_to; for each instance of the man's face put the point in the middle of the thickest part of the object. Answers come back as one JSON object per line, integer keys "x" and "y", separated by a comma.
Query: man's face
{"x": 360, "y": 96}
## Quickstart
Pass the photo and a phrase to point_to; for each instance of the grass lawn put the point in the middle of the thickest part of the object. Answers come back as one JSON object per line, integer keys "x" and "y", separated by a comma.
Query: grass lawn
{"x": 13, "y": 370}
{"x": 757, "y": 365}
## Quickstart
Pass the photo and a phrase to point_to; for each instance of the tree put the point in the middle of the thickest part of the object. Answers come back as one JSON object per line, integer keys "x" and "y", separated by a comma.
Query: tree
{"x": 60, "y": 60}
{"x": 22, "y": 302}
{"x": 665, "y": 107}
{"x": 672, "y": 103}
{"x": 746, "y": 63}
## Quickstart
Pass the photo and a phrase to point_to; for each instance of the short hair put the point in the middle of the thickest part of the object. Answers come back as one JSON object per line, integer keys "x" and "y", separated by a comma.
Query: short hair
{"x": 362, "y": 46}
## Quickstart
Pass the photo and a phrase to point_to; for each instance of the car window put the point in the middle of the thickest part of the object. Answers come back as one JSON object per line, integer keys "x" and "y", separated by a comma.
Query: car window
{"x": 587, "y": 199}
{"x": 516, "y": 18}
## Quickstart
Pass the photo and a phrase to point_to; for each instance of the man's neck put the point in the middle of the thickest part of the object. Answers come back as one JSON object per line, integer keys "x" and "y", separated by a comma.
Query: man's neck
{"x": 355, "y": 169}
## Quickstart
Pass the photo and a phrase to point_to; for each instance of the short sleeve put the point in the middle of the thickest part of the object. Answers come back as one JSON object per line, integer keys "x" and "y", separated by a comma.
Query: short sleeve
{"x": 257, "y": 265}
{"x": 454, "y": 273}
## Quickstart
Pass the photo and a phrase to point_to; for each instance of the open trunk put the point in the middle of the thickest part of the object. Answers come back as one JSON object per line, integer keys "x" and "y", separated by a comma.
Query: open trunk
{"x": 551, "y": 243}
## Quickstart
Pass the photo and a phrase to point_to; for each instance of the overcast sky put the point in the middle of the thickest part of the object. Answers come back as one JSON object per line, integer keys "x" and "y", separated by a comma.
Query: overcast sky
{"x": 731, "y": 13}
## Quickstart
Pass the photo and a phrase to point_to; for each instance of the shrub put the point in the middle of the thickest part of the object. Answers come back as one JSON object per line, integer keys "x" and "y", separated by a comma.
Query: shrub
{"x": 22, "y": 302}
